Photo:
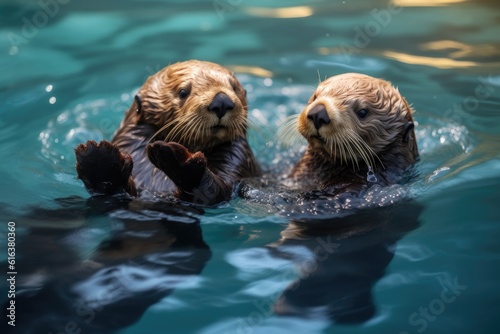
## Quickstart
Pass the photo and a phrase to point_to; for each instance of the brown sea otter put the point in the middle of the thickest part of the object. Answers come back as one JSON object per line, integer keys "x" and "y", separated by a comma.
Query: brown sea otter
{"x": 360, "y": 132}
{"x": 184, "y": 134}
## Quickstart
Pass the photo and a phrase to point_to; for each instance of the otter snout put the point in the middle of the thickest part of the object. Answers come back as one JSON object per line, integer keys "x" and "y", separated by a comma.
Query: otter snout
{"x": 221, "y": 104}
{"x": 319, "y": 116}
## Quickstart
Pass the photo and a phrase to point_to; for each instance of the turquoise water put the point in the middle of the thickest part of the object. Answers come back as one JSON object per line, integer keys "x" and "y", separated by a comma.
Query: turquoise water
{"x": 69, "y": 71}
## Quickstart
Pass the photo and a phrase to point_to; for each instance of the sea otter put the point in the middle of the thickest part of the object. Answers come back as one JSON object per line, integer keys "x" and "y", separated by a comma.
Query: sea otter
{"x": 185, "y": 134}
{"x": 359, "y": 131}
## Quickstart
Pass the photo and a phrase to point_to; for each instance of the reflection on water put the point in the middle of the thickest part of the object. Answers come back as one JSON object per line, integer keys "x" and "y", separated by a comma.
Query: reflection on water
{"x": 462, "y": 50}
{"x": 157, "y": 248}
{"x": 425, "y": 3}
{"x": 348, "y": 256}
{"x": 280, "y": 13}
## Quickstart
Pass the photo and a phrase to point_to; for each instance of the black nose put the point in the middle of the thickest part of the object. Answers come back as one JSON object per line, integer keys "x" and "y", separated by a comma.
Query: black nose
{"x": 319, "y": 116}
{"x": 221, "y": 104}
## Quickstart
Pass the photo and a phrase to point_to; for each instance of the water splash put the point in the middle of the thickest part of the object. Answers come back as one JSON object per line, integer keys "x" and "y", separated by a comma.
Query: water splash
{"x": 93, "y": 120}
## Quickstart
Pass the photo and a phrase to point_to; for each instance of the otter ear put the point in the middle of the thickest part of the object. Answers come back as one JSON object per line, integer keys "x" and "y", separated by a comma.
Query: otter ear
{"x": 408, "y": 127}
{"x": 138, "y": 102}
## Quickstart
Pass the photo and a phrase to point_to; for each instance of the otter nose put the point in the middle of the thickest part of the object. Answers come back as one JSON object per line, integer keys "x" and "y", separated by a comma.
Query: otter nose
{"x": 221, "y": 104}
{"x": 319, "y": 116}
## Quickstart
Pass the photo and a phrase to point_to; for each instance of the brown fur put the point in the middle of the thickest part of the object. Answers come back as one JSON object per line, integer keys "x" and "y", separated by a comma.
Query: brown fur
{"x": 170, "y": 119}
{"x": 340, "y": 152}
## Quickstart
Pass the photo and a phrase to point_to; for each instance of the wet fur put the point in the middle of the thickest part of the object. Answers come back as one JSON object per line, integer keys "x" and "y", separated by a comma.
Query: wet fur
{"x": 385, "y": 136}
{"x": 175, "y": 144}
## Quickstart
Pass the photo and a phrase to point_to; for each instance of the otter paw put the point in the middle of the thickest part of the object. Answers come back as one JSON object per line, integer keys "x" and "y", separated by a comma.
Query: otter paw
{"x": 181, "y": 166}
{"x": 103, "y": 168}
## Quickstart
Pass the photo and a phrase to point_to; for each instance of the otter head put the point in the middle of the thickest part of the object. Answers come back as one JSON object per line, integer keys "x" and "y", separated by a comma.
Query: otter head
{"x": 194, "y": 103}
{"x": 360, "y": 121}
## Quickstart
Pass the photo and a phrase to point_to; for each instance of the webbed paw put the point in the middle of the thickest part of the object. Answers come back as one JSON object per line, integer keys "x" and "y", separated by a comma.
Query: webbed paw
{"x": 103, "y": 168}
{"x": 184, "y": 168}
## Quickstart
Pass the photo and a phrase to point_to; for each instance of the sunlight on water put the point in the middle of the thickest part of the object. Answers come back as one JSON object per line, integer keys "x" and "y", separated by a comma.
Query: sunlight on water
{"x": 253, "y": 262}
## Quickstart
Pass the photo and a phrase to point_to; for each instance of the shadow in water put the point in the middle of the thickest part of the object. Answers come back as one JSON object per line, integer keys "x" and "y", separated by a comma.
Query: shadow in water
{"x": 156, "y": 248}
{"x": 348, "y": 255}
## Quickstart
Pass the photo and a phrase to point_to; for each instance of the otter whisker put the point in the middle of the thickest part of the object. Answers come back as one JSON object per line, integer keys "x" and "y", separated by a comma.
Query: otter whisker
{"x": 241, "y": 127}
{"x": 360, "y": 150}
{"x": 293, "y": 116}
{"x": 365, "y": 151}
{"x": 163, "y": 128}
{"x": 196, "y": 130}
{"x": 172, "y": 134}
{"x": 177, "y": 129}
{"x": 368, "y": 151}
{"x": 332, "y": 146}
{"x": 355, "y": 145}
{"x": 288, "y": 135}
{"x": 347, "y": 150}
{"x": 350, "y": 144}
{"x": 288, "y": 132}
{"x": 290, "y": 121}
{"x": 290, "y": 125}
{"x": 344, "y": 149}
{"x": 236, "y": 127}
{"x": 335, "y": 154}
{"x": 341, "y": 150}
{"x": 169, "y": 136}
{"x": 189, "y": 137}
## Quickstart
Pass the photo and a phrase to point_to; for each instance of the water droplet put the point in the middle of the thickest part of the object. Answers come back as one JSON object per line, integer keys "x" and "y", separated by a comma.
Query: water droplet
{"x": 370, "y": 176}
{"x": 52, "y": 100}
{"x": 49, "y": 88}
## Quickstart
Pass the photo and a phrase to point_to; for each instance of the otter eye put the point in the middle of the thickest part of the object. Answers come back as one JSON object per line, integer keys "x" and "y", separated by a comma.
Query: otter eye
{"x": 234, "y": 86}
{"x": 362, "y": 113}
{"x": 183, "y": 93}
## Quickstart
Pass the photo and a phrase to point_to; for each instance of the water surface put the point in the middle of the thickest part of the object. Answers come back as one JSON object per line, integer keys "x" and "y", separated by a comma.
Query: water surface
{"x": 69, "y": 75}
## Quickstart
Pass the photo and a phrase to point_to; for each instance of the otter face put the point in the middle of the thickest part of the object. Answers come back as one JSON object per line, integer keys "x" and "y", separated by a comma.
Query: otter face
{"x": 194, "y": 103}
{"x": 354, "y": 117}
